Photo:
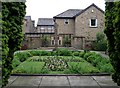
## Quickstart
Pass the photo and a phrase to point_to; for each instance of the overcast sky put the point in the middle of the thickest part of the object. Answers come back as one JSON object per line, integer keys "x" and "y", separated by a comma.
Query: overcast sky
{"x": 49, "y": 8}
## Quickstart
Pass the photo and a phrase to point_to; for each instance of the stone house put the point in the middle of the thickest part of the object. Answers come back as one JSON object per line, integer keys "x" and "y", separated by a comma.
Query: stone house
{"x": 28, "y": 30}
{"x": 45, "y": 28}
{"x": 75, "y": 28}
{"x": 80, "y": 25}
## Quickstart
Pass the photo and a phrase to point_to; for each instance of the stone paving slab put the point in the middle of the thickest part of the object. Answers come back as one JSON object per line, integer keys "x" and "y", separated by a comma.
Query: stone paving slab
{"x": 11, "y": 79}
{"x": 82, "y": 82}
{"x": 54, "y": 81}
{"x": 105, "y": 81}
{"x": 61, "y": 82}
{"x": 26, "y": 82}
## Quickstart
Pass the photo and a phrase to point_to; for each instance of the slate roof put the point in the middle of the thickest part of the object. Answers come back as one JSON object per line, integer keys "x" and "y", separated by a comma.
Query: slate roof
{"x": 27, "y": 17}
{"x": 45, "y": 22}
{"x": 69, "y": 13}
{"x": 72, "y": 13}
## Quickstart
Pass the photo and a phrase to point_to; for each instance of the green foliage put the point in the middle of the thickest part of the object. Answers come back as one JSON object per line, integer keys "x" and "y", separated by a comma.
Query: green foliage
{"x": 63, "y": 52}
{"x": 65, "y": 58}
{"x": 16, "y": 61}
{"x": 112, "y": 26}
{"x": 99, "y": 62}
{"x": 22, "y": 55}
{"x": 82, "y": 54}
{"x": 39, "y": 53}
{"x": 76, "y": 53}
{"x": 101, "y": 42}
{"x": 86, "y": 55}
{"x": 12, "y": 15}
{"x": 61, "y": 64}
{"x": 81, "y": 68}
{"x": 66, "y": 41}
{"x": 45, "y": 41}
{"x": 30, "y": 68}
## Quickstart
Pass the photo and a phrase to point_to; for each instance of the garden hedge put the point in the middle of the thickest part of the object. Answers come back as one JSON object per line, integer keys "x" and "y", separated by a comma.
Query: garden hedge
{"x": 12, "y": 16}
{"x": 112, "y": 31}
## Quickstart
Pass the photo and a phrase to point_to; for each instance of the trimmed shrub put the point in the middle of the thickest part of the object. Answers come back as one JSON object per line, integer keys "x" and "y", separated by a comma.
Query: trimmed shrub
{"x": 98, "y": 61}
{"x": 15, "y": 62}
{"x": 82, "y": 54}
{"x": 76, "y": 53}
{"x": 63, "y": 52}
{"x": 35, "y": 52}
{"x": 86, "y": 55}
{"x": 23, "y": 55}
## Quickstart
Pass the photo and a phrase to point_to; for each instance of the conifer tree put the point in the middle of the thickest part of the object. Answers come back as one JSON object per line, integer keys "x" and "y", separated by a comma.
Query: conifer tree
{"x": 12, "y": 16}
{"x": 112, "y": 31}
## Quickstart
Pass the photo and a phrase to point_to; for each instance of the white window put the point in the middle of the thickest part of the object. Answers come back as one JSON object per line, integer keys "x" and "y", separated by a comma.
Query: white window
{"x": 42, "y": 28}
{"x": 66, "y": 21}
{"x": 93, "y": 22}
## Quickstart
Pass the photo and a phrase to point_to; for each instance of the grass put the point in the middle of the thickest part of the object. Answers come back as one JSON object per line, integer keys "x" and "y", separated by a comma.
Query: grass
{"x": 81, "y": 68}
{"x": 29, "y": 67}
{"x": 71, "y": 63}
{"x": 33, "y": 65}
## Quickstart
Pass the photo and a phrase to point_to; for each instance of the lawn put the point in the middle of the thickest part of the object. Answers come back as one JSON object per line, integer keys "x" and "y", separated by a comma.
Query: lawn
{"x": 29, "y": 67}
{"x": 44, "y": 62}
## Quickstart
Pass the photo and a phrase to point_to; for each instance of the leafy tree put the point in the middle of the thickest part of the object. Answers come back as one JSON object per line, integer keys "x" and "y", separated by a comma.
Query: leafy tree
{"x": 66, "y": 41}
{"x": 12, "y": 15}
{"x": 45, "y": 41}
{"x": 112, "y": 31}
{"x": 101, "y": 42}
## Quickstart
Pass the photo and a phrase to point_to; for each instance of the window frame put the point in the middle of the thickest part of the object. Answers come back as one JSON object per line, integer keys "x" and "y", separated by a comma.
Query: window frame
{"x": 93, "y": 26}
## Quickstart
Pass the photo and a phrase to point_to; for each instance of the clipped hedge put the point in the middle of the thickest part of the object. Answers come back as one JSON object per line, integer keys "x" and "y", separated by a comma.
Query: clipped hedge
{"x": 63, "y": 52}
{"x": 103, "y": 64}
{"x": 81, "y": 68}
{"x": 23, "y": 55}
{"x": 40, "y": 53}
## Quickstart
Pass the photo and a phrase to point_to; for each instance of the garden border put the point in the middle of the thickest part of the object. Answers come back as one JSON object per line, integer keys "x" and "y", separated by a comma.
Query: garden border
{"x": 92, "y": 74}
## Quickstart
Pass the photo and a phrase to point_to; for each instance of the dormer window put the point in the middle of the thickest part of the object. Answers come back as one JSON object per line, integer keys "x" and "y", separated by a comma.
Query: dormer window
{"x": 66, "y": 21}
{"x": 93, "y": 22}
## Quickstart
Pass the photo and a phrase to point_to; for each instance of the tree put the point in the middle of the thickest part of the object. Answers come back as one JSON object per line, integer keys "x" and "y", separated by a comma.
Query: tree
{"x": 101, "y": 42}
{"x": 45, "y": 41}
{"x": 112, "y": 31}
{"x": 12, "y": 15}
{"x": 66, "y": 41}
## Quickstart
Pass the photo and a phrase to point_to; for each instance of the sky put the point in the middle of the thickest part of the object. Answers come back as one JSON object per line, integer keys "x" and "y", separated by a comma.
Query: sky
{"x": 50, "y": 8}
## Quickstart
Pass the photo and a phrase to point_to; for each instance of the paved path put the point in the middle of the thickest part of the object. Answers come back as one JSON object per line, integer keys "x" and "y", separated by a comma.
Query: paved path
{"x": 61, "y": 82}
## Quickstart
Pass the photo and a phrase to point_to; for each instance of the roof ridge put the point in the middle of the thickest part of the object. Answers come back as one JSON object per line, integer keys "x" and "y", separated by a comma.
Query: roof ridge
{"x": 89, "y": 7}
{"x": 76, "y": 11}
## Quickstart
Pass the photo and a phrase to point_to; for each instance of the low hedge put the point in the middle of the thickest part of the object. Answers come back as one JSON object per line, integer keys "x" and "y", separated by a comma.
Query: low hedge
{"x": 63, "y": 52}
{"x": 103, "y": 64}
{"x": 40, "y": 53}
{"x": 81, "y": 68}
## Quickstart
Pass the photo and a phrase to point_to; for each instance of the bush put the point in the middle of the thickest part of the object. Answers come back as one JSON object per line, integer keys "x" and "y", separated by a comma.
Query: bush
{"x": 63, "y": 52}
{"x": 82, "y": 54}
{"x": 22, "y": 55}
{"x": 81, "y": 68}
{"x": 15, "y": 62}
{"x": 35, "y": 52}
{"x": 76, "y": 53}
{"x": 98, "y": 61}
{"x": 40, "y": 53}
{"x": 106, "y": 68}
{"x": 46, "y": 53}
{"x": 86, "y": 55}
